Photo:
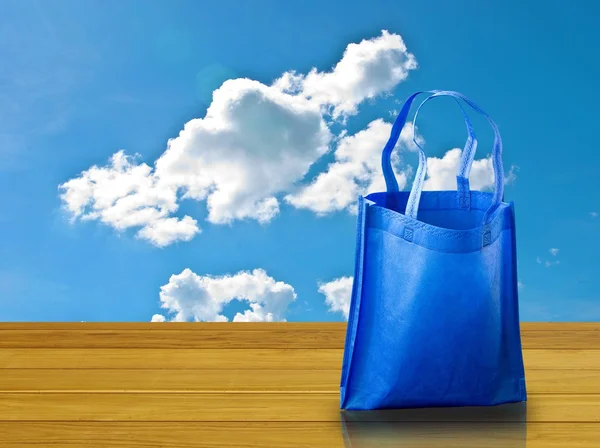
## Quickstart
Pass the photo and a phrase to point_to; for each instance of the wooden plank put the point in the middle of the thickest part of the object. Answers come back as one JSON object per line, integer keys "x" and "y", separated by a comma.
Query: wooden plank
{"x": 561, "y": 359}
{"x": 171, "y": 435}
{"x": 164, "y": 381}
{"x": 288, "y": 435}
{"x": 560, "y": 326}
{"x": 293, "y": 435}
{"x": 562, "y": 435}
{"x": 563, "y": 381}
{"x": 235, "y": 381}
{"x": 560, "y": 340}
{"x": 264, "y": 407}
{"x": 251, "y": 359}
{"x": 231, "y": 336}
{"x": 300, "y": 359}
{"x": 245, "y": 335}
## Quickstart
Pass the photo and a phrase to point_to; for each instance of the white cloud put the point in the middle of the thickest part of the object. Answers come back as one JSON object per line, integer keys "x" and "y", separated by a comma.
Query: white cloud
{"x": 201, "y": 298}
{"x": 539, "y": 260}
{"x": 520, "y": 285}
{"x": 165, "y": 231}
{"x": 337, "y": 294}
{"x": 356, "y": 170}
{"x": 594, "y": 214}
{"x": 441, "y": 173}
{"x": 554, "y": 251}
{"x": 366, "y": 70}
{"x": 255, "y": 143}
{"x": 125, "y": 194}
{"x": 158, "y": 318}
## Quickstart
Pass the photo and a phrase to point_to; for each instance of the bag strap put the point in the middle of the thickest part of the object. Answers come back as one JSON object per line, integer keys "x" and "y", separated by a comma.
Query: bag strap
{"x": 466, "y": 162}
{"x": 466, "y": 157}
{"x": 415, "y": 194}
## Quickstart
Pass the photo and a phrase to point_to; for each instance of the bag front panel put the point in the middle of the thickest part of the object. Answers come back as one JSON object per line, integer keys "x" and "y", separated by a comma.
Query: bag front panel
{"x": 435, "y": 327}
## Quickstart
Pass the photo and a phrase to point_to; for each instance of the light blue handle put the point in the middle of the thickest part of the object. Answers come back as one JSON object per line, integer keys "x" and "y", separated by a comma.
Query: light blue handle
{"x": 468, "y": 153}
{"x": 412, "y": 206}
{"x": 466, "y": 157}
{"x": 466, "y": 162}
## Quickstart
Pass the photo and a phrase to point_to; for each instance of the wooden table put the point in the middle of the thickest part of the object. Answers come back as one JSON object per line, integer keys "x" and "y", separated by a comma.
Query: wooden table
{"x": 186, "y": 385}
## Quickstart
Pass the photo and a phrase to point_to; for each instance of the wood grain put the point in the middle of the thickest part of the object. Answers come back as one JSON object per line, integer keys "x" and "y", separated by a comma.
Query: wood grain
{"x": 301, "y": 335}
{"x": 561, "y": 359}
{"x": 563, "y": 381}
{"x": 240, "y": 381}
{"x": 290, "y": 407}
{"x": 561, "y": 340}
{"x": 304, "y": 337}
{"x": 292, "y": 435}
{"x": 251, "y": 359}
{"x": 164, "y": 381}
{"x": 263, "y": 384}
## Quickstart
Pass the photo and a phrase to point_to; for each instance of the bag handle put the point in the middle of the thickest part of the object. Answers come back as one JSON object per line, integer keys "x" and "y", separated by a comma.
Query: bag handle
{"x": 466, "y": 162}
{"x": 467, "y": 154}
{"x": 415, "y": 194}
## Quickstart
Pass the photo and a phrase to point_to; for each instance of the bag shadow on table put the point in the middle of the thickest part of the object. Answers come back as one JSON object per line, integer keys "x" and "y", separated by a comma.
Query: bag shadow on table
{"x": 497, "y": 426}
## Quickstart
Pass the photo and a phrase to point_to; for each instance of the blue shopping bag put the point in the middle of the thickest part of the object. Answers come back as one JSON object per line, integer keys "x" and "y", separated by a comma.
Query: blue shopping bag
{"x": 434, "y": 317}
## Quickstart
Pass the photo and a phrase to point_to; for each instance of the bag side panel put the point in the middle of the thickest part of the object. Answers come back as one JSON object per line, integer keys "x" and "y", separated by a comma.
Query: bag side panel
{"x": 354, "y": 312}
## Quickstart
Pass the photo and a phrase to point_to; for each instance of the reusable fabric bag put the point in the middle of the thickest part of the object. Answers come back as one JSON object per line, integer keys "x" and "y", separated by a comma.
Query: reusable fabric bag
{"x": 434, "y": 317}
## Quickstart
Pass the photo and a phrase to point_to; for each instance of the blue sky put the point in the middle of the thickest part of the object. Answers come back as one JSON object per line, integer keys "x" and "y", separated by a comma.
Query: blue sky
{"x": 82, "y": 80}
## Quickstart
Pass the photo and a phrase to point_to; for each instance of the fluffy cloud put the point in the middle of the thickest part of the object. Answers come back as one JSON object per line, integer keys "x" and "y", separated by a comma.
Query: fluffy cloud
{"x": 356, "y": 170}
{"x": 441, "y": 173}
{"x": 191, "y": 297}
{"x": 366, "y": 70}
{"x": 337, "y": 294}
{"x": 158, "y": 318}
{"x": 255, "y": 143}
{"x": 124, "y": 194}
{"x": 554, "y": 251}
